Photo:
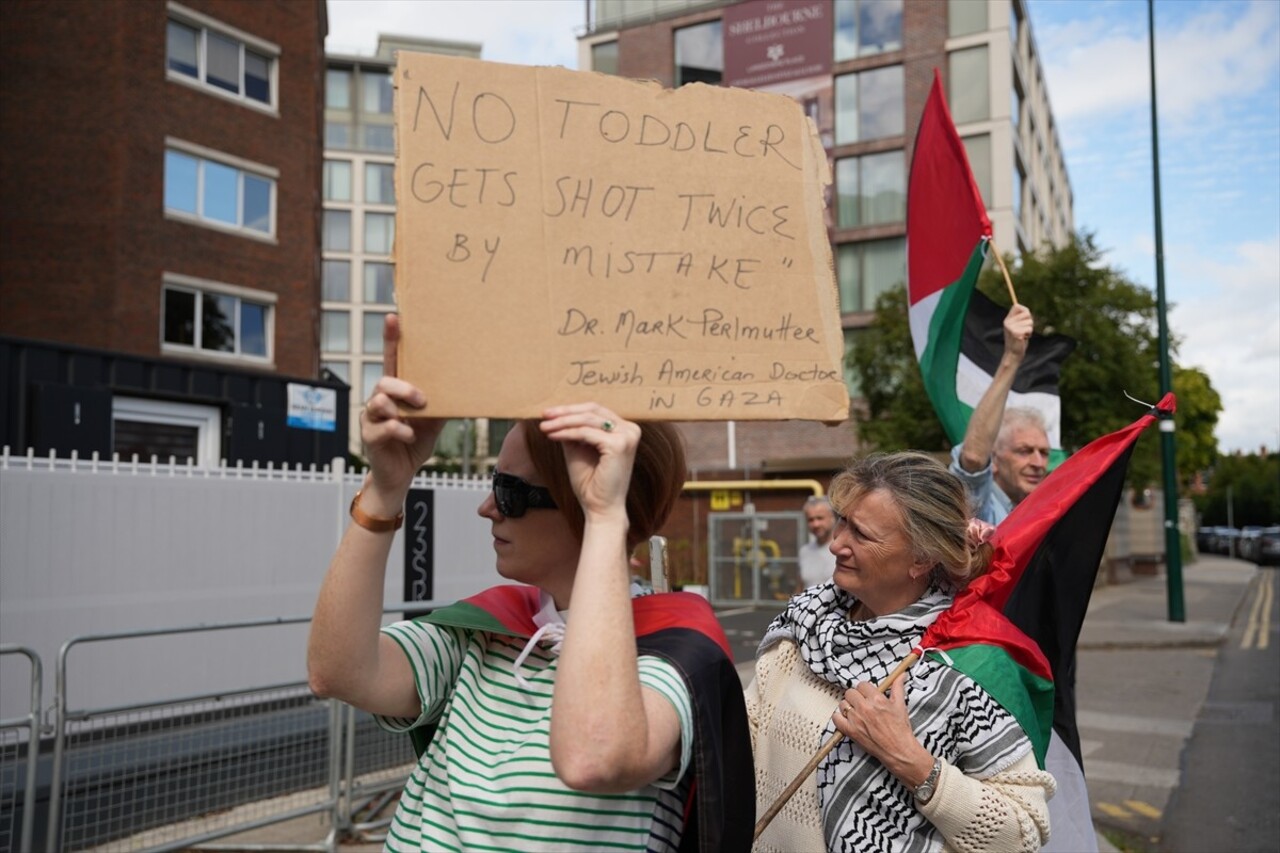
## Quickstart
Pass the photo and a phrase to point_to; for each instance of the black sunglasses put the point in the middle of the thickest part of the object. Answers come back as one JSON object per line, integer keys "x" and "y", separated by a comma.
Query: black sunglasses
{"x": 514, "y": 496}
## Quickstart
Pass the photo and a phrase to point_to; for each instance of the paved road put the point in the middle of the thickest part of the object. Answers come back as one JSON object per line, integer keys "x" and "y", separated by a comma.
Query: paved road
{"x": 1229, "y": 798}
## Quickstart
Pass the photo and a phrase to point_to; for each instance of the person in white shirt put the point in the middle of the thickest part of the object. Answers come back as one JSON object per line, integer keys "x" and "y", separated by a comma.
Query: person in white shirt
{"x": 817, "y": 563}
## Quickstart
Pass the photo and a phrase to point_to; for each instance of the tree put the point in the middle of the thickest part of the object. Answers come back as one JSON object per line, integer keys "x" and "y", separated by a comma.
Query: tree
{"x": 897, "y": 414}
{"x": 1070, "y": 291}
{"x": 1251, "y": 482}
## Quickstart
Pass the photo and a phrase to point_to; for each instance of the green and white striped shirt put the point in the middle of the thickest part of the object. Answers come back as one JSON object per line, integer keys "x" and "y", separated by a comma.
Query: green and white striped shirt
{"x": 486, "y": 782}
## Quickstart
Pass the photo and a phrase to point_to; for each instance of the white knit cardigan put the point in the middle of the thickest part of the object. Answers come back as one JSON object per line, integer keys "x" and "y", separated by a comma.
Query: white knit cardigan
{"x": 789, "y": 708}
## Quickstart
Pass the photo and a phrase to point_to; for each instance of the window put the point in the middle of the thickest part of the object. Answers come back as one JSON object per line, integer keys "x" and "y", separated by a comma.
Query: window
{"x": 378, "y": 137}
{"x": 221, "y": 59}
{"x": 968, "y": 90}
{"x": 337, "y": 134}
{"x": 379, "y": 233}
{"x": 208, "y": 317}
{"x": 850, "y": 377}
{"x": 337, "y": 231}
{"x": 866, "y": 270}
{"x": 869, "y": 105}
{"x": 1015, "y": 103}
{"x": 336, "y": 281}
{"x": 699, "y": 54}
{"x": 340, "y": 369}
{"x": 379, "y": 183}
{"x": 162, "y": 429}
{"x": 867, "y": 27}
{"x": 337, "y": 180}
{"x": 870, "y": 190}
{"x": 335, "y": 331}
{"x": 379, "y": 284}
{"x": 376, "y": 92}
{"x": 965, "y": 17}
{"x": 372, "y": 339}
{"x": 604, "y": 57}
{"x": 358, "y": 109}
{"x": 337, "y": 89}
{"x": 1018, "y": 180}
{"x": 370, "y": 373}
{"x": 979, "y": 150}
{"x": 218, "y": 194}
{"x": 498, "y": 429}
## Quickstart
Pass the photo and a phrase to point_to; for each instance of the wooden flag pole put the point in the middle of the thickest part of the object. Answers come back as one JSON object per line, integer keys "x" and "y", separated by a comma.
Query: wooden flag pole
{"x": 883, "y": 687}
{"x": 1000, "y": 260}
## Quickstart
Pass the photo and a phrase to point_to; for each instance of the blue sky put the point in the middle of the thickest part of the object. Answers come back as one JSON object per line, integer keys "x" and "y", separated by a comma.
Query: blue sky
{"x": 1218, "y": 82}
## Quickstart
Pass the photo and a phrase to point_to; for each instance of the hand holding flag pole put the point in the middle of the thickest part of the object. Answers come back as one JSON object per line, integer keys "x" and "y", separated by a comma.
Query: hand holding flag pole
{"x": 831, "y": 744}
{"x": 1008, "y": 282}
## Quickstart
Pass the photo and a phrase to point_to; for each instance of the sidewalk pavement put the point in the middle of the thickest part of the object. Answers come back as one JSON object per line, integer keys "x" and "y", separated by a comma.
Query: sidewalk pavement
{"x": 1140, "y": 683}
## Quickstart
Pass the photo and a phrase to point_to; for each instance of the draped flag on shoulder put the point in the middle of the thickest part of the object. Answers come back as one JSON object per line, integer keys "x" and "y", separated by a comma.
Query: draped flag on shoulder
{"x": 1045, "y": 563}
{"x": 682, "y": 629}
{"x": 956, "y": 330}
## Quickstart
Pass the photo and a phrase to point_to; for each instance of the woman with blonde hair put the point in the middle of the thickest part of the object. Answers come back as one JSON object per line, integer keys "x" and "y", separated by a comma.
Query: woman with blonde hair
{"x": 937, "y": 763}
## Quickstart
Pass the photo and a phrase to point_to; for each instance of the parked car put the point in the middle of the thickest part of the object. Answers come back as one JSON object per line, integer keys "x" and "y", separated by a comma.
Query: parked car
{"x": 1204, "y": 540}
{"x": 1268, "y": 547}
{"x": 1247, "y": 543}
{"x": 1223, "y": 540}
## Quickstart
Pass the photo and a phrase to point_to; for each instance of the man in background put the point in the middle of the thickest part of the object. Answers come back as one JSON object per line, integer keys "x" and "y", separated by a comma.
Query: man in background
{"x": 817, "y": 563}
{"x": 1005, "y": 453}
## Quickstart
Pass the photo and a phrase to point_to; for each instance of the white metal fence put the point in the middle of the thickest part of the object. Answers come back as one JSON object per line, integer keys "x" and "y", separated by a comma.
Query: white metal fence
{"x": 159, "y": 734}
{"x": 19, "y": 753}
{"x": 91, "y": 546}
{"x": 183, "y": 770}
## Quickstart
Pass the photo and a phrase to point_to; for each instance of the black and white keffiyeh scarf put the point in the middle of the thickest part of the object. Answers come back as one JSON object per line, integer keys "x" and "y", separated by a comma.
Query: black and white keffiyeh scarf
{"x": 864, "y": 807}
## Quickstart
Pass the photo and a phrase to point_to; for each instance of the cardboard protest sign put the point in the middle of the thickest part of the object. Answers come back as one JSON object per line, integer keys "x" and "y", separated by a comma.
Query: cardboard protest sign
{"x": 565, "y": 236}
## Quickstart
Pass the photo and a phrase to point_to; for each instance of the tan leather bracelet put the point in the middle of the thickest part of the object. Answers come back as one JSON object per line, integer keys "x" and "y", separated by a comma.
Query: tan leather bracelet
{"x": 373, "y": 522}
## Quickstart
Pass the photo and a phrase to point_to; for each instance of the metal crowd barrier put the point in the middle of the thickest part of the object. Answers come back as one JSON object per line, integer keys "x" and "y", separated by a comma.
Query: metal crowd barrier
{"x": 19, "y": 761}
{"x": 184, "y": 771}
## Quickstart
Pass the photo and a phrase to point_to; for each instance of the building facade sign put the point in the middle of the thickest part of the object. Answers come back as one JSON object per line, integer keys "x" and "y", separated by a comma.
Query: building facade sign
{"x": 312, "y": 408}
{"x": 775, "y": 41}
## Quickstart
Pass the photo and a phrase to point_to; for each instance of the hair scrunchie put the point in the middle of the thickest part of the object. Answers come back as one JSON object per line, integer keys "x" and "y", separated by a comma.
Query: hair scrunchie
{"x": 978, "y": 532}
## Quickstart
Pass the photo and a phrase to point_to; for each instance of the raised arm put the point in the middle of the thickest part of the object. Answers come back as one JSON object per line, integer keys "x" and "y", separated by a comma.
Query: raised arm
{"x": 608, "y": 734}
{"x": 347, "y": 657}
{"x": 984, "y": 424}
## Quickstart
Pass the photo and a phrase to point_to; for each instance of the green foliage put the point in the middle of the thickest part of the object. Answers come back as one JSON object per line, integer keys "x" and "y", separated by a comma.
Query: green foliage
{"x": 898, "y": 414}
{"x": 1069, "y": 291}
{"x": 1254, "y": 484}
{"x": 1198, "y": 408}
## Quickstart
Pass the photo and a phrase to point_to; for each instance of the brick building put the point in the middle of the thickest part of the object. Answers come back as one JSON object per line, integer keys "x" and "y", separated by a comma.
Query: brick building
{"x": 161, "y": 209}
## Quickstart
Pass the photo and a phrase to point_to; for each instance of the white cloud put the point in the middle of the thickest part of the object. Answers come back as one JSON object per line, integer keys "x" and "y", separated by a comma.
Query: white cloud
{"x": 519, "y": 31}
{"x": 1232, "y": 332}
{"x": 1096, "y": 71}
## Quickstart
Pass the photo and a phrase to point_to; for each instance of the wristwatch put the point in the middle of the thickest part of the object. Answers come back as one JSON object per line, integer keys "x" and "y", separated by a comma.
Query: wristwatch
{"x": 924, "y": 791}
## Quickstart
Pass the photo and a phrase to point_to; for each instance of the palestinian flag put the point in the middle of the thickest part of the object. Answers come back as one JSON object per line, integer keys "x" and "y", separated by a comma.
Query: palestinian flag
{"x": 957, "y": 331}
{"x": 680, "y": 628}
{"x": 1047, "y": 554}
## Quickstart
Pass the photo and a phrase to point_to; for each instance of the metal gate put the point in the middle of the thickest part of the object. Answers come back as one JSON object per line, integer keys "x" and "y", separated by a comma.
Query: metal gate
{"x": 754, "y": 556}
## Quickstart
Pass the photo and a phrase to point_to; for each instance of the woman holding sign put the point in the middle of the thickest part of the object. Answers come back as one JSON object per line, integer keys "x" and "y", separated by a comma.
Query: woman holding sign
{"x": 939, "y": 763}
{"x": 620, "y": 727}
